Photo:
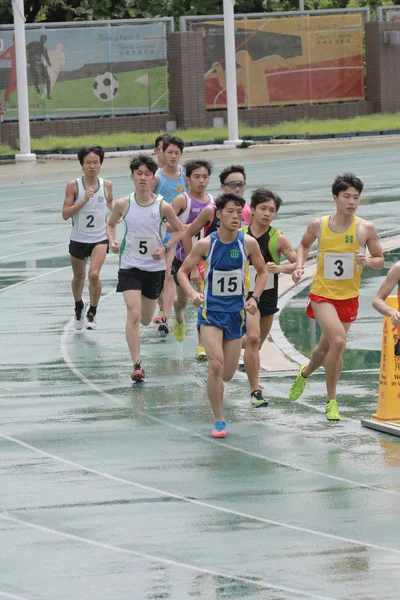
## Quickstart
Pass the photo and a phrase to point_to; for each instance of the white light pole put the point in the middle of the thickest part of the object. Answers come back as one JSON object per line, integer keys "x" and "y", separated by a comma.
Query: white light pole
{"x": 22, "y": 84}
{"x": 230, "y": 72}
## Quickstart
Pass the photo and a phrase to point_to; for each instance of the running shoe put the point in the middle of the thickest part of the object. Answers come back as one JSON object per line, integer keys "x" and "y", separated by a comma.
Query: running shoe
{"x": 201, "y": 354}
{"x": 79, "y": 317}
{"x": 332, "y": 411}
{"x": 241, "y": 366}
{"x": 179, "y": 331}
{"x": 298, "y": 385}
{"x": 163, "y": 327}
{"x": 257, "y": 399}
{"x": 138, "y": 373}
{"x": 158, "y": 319}
{"x": 91, "y": 321}
{"x": 219, "y": 430}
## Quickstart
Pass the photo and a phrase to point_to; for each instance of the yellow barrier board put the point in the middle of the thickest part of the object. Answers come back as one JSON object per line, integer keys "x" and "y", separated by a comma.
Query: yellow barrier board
{"x": 389, "y": 379}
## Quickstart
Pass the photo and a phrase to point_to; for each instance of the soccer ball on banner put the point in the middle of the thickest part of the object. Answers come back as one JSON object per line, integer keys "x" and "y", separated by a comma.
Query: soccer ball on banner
{"x": 106, "y": 87}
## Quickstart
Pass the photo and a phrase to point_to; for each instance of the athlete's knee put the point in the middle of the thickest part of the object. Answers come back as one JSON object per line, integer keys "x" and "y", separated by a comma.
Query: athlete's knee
{"x": 338, "y": 343}
{"x": 253, "y": 340}
{"x": 133, "y": 315}
{"x": 215, "y": 366}
{"x": 94, "y": 276}
{"x": 79, "y": 279}
{"x": 145, "y": 320}
{"x": 227, "y": 375}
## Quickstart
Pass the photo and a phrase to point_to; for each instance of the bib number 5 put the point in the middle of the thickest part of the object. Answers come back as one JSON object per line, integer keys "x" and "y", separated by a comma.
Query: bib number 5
{"x": 143, "y": 248}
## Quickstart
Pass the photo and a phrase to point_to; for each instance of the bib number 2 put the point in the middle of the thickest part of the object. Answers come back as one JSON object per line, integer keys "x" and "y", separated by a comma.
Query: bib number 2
{"x": 91, "y": 222}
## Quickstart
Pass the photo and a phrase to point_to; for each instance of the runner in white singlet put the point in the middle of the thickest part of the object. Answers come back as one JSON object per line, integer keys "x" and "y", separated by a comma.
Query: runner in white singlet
{"x": 142, "y": 251}
{"x": 86, "y": 201}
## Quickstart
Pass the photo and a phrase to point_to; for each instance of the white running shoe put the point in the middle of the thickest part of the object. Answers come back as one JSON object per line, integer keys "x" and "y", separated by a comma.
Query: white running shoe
{"x": 79, "y": 317}
{"x": 90, "y": 321}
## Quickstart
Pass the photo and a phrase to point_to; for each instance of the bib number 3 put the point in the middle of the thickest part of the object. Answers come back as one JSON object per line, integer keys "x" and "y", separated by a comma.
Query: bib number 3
{"x": 227, "y": 283}
{"x": 338, "y": 266}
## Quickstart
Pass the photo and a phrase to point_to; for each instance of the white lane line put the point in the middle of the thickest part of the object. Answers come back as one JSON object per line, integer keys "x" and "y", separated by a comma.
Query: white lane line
{"x": 67, "y": 359}
{"x": 32, "y": 251}
{"x": 207, "y": 505}
{"x": 22, "y": 234}
{"x": 24, "y": 208}
{"x": 11, "y": 596}
{"x": 14, "y": 285}
{"x": 77, "y": 538}
{"x": 30, "y": 197}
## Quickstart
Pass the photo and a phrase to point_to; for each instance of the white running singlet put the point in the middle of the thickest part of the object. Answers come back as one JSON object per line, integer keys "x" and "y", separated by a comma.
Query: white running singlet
{"x": 89, "y": 224}
{"x": 144, "y": 232}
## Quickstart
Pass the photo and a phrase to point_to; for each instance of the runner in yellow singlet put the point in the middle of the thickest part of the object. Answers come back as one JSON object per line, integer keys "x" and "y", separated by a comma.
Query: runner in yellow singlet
{"x": 333, "y": 300}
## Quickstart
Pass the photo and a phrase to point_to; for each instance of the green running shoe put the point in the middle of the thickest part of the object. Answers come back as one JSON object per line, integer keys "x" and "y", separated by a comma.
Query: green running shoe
{"x": 332, "y": 411}
{"x": 298, "y": 385}
{"x": 257, "y": 399}
{"x": 179, "y": 331}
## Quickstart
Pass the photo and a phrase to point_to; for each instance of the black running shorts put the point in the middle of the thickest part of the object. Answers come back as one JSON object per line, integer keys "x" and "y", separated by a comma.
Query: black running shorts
{"x": 150, "y": 283}
{"x": 81, "y": 250}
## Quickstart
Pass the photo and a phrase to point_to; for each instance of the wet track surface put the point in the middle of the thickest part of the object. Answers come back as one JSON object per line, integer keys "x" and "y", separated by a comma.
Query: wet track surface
{"x": 109, "y": 490}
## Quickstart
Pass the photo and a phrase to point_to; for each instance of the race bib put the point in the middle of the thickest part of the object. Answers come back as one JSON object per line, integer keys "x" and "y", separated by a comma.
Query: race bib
{"x": 253, "y": 275}
{"x": 338, "y": 266}
{"x": 227, "y": 283}
{"x": 143, "y": 247}
{"x": 91, "y": 221}
{"x": 198, "y": 236}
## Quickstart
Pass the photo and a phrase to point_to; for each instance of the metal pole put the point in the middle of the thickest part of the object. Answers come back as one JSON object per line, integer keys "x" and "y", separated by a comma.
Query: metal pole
{"x": 22, "y": 84}
{"x": 230, "y": 72}
{"x": 301, "y": 5}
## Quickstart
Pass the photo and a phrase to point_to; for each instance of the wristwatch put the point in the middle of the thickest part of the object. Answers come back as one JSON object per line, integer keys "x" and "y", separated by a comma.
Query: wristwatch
{"x": 167, "y": 248}
{"x": 256, "y": 298}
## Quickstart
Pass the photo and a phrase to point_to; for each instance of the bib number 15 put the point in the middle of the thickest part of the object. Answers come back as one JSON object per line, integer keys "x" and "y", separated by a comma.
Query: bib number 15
{"x": 227, "y": 283}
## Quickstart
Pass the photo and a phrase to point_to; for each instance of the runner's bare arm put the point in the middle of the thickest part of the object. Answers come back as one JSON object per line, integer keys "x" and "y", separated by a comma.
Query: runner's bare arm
{"x": 391, "y": 281}
{"x": 179, "y": 204}
{"x": 199, "y": 250}
{"x": 257, "y": 260}
{"x": 309, "y": 237}
{"x": 119, "y": 209}
{"x": 204, "y": 218}
{"x": 283, "y": 247}
{"x": 174, "y": 223}
{"x": 69, "y": 207}
{"x": 376, "y": 260}
{"x": 109, "y": 192}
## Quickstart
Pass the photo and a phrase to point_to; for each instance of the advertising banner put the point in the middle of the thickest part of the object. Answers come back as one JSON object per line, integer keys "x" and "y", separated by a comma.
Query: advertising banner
{"x": 95, "y": 70}
{"x": 287, "y": 60}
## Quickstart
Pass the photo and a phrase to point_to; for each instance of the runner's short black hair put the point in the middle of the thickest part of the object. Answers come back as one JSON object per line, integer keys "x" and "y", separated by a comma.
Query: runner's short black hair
{"x": 161, "y": 138}
{"x": 175, "y": 140}
{"x": 264, "y": 195}
{"x": 192, "y": 165}
{"x": 343, "y": 182}
{"x": 84, "y": 151}
{"x": 143, "y": 159}
{"x": 229, "y": 170}
{"x": 223, "y": 200}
